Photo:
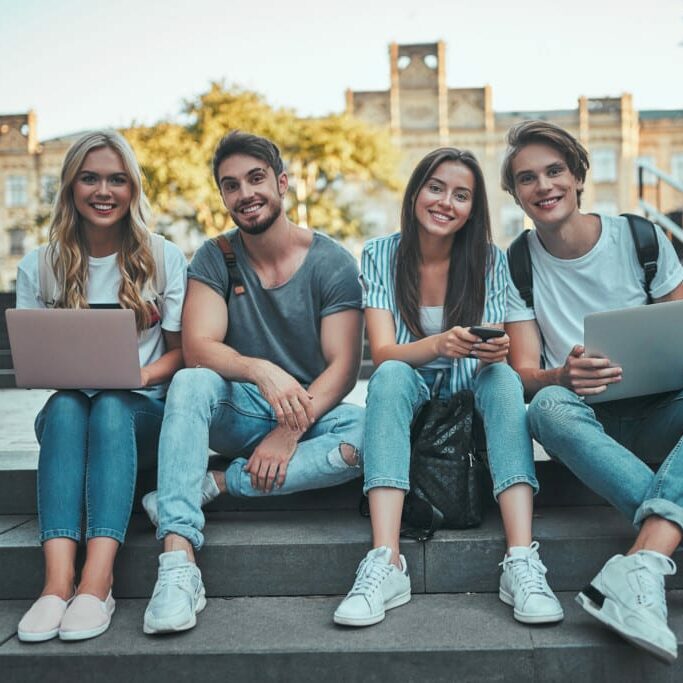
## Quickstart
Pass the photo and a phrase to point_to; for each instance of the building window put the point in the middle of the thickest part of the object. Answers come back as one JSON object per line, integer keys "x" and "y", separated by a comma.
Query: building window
{"x": 648, "y": 178}
{"x": 604, "y": 165}
{"x": 511, "y": 220}
{"x": 16, "y": 241}
{"x": 48, "y": 188}
{"x": 677, "y": 166}
{"x": 606, "y": 207}
{"x": 16, "y": 190}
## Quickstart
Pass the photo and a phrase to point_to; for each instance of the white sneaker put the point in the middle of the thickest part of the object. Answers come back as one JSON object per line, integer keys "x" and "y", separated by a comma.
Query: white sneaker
{"x": 178, "y": 595}
{"x": 379, "y": 586}
{"x": 628, "y": 596}
{"x": 210, "y": 491}
{"x": 523, "y": 585}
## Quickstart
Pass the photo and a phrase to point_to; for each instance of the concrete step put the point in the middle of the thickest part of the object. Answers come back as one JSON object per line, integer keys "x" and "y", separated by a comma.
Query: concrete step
{"x": 434, "y": 638}
{"x": 316, "y": 553}
{"x": 559, "y": 487}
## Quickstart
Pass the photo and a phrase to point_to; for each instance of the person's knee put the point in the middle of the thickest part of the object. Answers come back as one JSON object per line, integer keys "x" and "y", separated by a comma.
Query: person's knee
{"x": 501, "y": 378}
{"x": 350, "y": 426}
{"x": 66, "y": 406}
{"x": 350, "y": 454}
{"x": 550, "y": 405}
{"x": 391, "y": 378}
{"x": 191, "y": 386}
{"x": 112, "y": 410}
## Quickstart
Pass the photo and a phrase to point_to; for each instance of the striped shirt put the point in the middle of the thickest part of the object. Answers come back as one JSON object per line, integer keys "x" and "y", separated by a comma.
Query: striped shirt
{"x": 378, "y": 279}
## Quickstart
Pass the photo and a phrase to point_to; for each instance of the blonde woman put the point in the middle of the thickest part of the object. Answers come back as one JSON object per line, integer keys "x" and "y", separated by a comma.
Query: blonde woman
{"x": 101, "y": 254}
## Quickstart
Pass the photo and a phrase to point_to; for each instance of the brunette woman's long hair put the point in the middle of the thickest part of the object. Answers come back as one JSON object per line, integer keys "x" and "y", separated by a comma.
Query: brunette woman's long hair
{"x": 67, "y": 242}
{"x": 470, "y": 253}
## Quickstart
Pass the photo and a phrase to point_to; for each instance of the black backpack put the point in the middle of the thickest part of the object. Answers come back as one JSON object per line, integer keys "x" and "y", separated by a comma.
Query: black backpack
{"x": 644, "y": 237}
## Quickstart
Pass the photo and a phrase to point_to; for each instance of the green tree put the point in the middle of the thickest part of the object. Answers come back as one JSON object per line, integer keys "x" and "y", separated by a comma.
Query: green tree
{"x": 322, "y": 156}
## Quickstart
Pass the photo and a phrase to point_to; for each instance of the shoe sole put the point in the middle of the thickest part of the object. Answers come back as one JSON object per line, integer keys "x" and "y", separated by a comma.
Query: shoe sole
{"x": 173, "y": 628}
{"x": 375, "y": 618}
{"x": 597, "y": 611}
{"x": 29, "y": 637}
{"x": 530, "y": 618}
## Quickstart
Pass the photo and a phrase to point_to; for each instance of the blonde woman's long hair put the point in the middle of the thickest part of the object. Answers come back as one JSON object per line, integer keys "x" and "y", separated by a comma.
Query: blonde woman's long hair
{"x": 68, "y": 246}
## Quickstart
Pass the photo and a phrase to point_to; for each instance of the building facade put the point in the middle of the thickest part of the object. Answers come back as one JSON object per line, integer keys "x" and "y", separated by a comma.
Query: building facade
{"x": 29, "y": 177}
{"x": 422, "y": 113}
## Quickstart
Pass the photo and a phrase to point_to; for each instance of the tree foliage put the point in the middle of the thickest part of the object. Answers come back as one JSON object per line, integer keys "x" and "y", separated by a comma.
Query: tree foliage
{"x": 322, "y": 156}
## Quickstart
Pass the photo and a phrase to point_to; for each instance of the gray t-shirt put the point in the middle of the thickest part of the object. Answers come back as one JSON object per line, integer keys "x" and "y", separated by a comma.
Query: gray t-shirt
{"x": 282, "y": 324}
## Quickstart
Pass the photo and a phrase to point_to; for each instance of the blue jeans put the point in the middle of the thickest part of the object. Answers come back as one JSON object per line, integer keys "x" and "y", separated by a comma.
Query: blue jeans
{"x": 204, "y": 410}
{"x": 606, "y": 446}
{"x": 396, "y": 392}
{"x": 89, "y": 447}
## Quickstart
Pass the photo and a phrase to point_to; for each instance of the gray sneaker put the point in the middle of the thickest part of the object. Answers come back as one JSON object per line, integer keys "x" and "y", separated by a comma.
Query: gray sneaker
{"x": 210, "y": 491}
{"x": 628, "y": 596}
{"x": 379, "y": 586}
{"x": 178, "y": 595}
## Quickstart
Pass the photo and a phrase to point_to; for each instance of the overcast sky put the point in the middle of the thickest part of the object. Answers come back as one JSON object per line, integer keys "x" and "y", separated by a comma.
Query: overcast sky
{"x": 85, "y": 64}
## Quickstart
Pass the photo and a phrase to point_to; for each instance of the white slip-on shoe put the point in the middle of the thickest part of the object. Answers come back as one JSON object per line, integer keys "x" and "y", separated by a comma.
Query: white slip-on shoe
{"x": 210, "y": 491}
{"x": 41, "y": 622}
{"x": 379, "y": 586}
{"x": 628, "y": 596}
{"x": 86, "y": 617}
{"x": 178, "y": 595}
{"x": 523, "y": 586}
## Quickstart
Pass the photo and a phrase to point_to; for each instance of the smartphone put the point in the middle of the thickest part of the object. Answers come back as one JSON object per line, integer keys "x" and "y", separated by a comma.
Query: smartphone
{"x": 486, "y": 332}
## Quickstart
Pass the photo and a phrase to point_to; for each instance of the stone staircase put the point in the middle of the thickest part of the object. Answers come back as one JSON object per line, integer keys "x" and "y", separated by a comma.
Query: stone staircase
{"x": 274, "y": 569}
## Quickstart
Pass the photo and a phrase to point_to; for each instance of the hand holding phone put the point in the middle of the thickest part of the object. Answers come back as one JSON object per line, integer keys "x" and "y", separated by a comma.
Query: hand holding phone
{"x": 486, "y": 333}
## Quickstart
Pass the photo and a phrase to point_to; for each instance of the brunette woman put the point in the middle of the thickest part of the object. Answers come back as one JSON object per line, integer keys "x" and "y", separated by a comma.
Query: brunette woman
{"x": 423, "y": 289}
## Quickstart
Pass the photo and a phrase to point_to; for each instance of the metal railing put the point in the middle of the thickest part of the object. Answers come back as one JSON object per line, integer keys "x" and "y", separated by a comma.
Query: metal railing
{"x": 653, "y": 212}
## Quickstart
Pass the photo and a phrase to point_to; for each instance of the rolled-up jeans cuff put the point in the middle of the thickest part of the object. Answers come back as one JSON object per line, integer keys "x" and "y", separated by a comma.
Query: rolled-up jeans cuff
{"x": 662, "y": 508}
{"x": 196, "y": 538}
{"x": 383, "y": 482}
{"x": 511, "y": 481}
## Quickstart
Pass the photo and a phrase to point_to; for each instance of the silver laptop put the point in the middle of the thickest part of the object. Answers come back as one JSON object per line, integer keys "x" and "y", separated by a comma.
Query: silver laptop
{"x": 644, "y": 341}
{"x": 74, "y": 349}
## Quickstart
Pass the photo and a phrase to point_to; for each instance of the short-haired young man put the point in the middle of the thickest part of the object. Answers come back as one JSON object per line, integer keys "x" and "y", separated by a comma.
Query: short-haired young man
{"x": 584, "y": 263}
{"x": 270, "y": 353}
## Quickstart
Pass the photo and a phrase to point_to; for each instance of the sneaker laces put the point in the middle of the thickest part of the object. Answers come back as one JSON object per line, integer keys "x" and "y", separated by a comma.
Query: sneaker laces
{"x": 651, "y": 583}
{"x": 175, "y": 576}
{"x": 528, "y": 571}
{"x": 369, "y": 577}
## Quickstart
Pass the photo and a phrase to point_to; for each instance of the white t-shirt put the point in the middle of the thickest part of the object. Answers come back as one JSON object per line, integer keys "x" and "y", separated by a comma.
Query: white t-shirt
{"x": 104, "y": 279}
{"x": 606, "y": 278}
{"x": 431, "y": 319}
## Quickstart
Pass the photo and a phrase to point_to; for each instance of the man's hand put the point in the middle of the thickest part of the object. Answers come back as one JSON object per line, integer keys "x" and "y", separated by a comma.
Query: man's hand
{"x": 587, "y": 376}
{"x": 292, "y": 404}
{"x": 268, "y": 463}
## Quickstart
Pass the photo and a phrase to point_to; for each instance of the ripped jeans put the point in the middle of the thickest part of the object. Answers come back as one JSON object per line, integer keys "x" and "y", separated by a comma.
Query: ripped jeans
{"x": 204, "y": 410}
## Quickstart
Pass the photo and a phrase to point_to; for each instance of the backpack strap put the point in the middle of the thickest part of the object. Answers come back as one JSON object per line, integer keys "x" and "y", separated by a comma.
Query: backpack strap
{"x": 647, "y": 248}
{"x": 47, "y": 282}
{"x": 223, "y": 243}
{"x": 519, "y": 260}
